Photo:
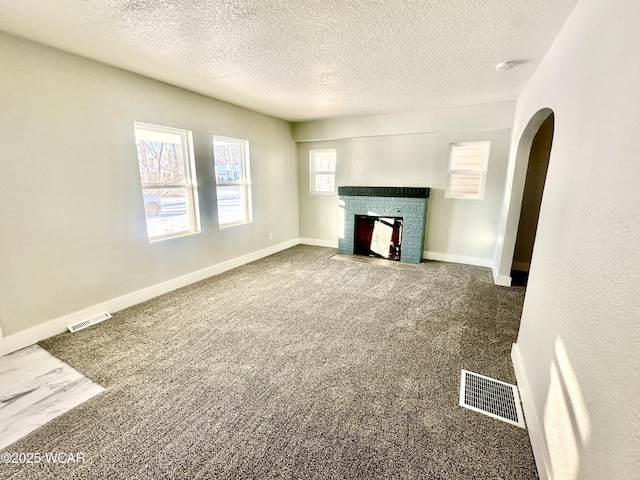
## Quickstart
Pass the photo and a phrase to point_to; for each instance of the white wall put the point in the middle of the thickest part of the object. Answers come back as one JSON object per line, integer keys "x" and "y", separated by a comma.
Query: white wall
{"x": 412, "y": 150}
{"x": 577, "y": 357}
{"x": 73, "y": 226}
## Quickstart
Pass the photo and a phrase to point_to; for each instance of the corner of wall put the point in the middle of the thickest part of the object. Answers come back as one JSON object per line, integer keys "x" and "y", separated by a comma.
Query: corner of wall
{"x": 316, "y": 242}
{"x": 500, "y": 280}
{"x": 3, "y": 345}
{"x": 451, "y": 258}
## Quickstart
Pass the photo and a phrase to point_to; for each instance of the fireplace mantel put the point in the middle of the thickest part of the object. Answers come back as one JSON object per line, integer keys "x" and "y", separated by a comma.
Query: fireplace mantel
{"x": 408, "y": 203}
{"x": 399, "y": 192}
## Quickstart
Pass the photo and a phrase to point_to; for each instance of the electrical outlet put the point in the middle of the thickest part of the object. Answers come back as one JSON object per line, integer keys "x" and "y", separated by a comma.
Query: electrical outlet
{"x": 271, "y": 236}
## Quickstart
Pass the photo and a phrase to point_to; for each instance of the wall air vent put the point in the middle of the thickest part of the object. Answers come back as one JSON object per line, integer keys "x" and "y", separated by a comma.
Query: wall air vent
{"x": 74, "y": 327}
{"x": 491, "y": 397}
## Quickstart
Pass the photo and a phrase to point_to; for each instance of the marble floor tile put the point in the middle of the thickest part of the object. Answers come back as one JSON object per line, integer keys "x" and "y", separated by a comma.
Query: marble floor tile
{"x": 36, "y": 387}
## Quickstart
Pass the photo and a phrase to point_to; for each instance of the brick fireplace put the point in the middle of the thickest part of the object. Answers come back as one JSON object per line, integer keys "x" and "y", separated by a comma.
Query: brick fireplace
{"x": 396, "y": 218}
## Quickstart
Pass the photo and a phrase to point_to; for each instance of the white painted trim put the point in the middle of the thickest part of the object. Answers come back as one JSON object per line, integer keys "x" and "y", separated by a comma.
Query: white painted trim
{"x": 33, "y": 335}
{"x": 466, "y": 118}
{"x": 538, "y": 441}
{"x": 521, "y": 266}
{"x": 3, "y": 346}
{"x": 500, "y": 280}
{"x": 447, "y": 257}
{"x": 316, "y": 242}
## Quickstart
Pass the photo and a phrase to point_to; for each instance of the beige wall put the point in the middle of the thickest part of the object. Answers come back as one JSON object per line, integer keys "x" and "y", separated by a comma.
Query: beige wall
{"x": 392, "y": 154}
{"x": 73, "y": 227}
{"x": 577, "y": 352}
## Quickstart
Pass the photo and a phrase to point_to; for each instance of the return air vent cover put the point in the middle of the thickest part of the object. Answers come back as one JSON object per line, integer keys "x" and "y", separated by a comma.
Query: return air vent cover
{"x": 74, "y": 327}
{"x": 491, "y": 397}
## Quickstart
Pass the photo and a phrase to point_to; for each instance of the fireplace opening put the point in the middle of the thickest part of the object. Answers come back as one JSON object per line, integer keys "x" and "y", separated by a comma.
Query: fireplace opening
{"x": 378, "y": 236}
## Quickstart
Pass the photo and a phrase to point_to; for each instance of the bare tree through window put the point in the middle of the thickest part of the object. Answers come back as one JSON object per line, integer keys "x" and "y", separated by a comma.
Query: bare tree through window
{"x": 165, "y": 161}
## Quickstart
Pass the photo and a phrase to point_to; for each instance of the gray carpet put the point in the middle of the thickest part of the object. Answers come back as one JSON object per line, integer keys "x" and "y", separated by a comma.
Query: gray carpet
{"x": 295, "y": 366}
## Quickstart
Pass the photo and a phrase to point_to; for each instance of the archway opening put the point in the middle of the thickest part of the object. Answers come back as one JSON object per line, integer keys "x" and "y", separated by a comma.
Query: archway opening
{"x": 537, "y": 167}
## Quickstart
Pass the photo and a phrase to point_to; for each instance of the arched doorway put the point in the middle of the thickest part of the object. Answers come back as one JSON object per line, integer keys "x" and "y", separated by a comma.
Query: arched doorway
{"x": 537, "y": 167}
{"x": 511, "y": 215}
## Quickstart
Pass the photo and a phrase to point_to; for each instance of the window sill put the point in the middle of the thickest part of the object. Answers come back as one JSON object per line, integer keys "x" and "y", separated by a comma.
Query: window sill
{"x": 323, "y": 193}
{"x": 169, "y": 237}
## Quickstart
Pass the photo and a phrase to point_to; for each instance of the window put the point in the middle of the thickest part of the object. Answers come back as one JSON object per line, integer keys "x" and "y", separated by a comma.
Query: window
{"x": 233, "y": 182}
{"x": 468, "y": 170}
{"x": 323, "y": 170}
{"x": 167, "y": 174}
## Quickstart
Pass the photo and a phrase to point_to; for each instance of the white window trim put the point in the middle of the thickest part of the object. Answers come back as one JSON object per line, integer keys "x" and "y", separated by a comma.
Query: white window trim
{"x": 189, "y": 178}
{"x": 244, "y": 181}
{"x": 313, "y": 172}
{"x": 483, "y": 172}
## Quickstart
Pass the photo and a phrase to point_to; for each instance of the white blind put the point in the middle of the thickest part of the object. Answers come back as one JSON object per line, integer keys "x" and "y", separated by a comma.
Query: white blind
{"x": 467, "y": 169}
{"x": 465, "y": 183}
{"x": 467, "y": 158}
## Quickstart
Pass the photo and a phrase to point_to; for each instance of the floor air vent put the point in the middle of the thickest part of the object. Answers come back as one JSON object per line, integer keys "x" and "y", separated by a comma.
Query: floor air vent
{"x": 494, "y": 398}
{"x": 74, "y": 327}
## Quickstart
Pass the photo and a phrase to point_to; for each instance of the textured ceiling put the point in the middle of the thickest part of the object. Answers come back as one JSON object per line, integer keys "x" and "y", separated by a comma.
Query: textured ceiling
{"x": 308, "y": 59}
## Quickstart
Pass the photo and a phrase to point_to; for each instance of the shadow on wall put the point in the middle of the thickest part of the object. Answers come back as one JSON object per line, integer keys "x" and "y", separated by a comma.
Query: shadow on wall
{"x": 459, "y": 227}
{"x": 438, "y": 223}
{"x": 566, "y": 415}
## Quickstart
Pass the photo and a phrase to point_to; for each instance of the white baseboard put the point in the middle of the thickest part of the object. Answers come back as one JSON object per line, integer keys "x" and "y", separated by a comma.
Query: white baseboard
{"x": 447, "y": 257}
{"x": 500, "y": 280}
{"x": 538, "y": 441}
{"x": 33, "y": 335}
{"x": 319, "y": 243}
{"x": 3, "y": 346}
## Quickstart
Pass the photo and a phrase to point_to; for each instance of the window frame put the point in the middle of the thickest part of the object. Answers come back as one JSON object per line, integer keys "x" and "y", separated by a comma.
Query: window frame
{"x": 244, "y": 181}
{"x": 313, "y": 173}
{"x": 486, "y": 145}
{"x": 189, "y": 183}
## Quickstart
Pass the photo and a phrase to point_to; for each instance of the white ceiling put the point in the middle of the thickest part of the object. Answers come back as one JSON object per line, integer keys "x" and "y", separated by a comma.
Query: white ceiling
{"x": 308, "y": 59}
